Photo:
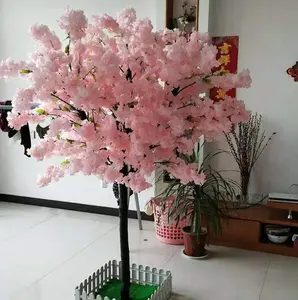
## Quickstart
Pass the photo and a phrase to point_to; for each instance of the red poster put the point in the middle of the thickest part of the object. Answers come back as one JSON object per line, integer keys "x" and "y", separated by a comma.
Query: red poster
{"x": 227, "y": 55}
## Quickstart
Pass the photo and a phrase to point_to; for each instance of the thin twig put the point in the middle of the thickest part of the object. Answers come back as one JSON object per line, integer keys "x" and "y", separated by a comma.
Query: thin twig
{"x": 52, "y": 94}
{"x": 247, "y": 143}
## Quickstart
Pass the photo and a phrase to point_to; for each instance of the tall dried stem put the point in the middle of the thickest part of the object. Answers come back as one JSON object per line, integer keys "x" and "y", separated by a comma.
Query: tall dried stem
{"x": 247, "y": 142}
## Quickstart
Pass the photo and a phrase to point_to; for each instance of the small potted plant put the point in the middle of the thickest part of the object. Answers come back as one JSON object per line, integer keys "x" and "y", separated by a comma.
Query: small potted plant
{"x": 201, "y": 205}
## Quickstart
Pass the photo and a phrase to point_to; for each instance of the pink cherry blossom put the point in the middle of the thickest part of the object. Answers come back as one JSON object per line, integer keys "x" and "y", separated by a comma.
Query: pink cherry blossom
{"x": 53, "y": 173}
{"x": 23, "y": 99}
{"x": 10, "y": 68}
{"x": 122, "y": 97}
{"x": 47, "y": 38}
{"x": 243, "y": 79}
{"x": 106, "y": 22}
{"x": 74, "y": 23}
{"x": 126, "y": 18}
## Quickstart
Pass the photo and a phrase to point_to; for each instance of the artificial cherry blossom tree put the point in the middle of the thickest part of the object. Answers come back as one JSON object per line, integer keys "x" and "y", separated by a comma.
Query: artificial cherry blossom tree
{"x": 122, "y": 100}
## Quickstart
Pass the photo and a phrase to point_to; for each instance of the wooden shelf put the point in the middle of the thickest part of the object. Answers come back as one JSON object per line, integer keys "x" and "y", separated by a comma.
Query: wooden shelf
{"x": 260, "y": 247}
{"x": 245, "y": 230}
{"x": 287, "y": 244}
{"x": 264, "y": 214}
{"x": 283, "y": 206}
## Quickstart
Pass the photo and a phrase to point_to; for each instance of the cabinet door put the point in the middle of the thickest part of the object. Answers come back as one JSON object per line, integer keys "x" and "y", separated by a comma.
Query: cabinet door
{"x": 237, "y": 231}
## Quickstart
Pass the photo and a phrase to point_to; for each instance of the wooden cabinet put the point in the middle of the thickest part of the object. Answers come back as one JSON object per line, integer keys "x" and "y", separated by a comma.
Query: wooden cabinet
{"x": 246, "y": 230}
{"x": 243, "y": 231}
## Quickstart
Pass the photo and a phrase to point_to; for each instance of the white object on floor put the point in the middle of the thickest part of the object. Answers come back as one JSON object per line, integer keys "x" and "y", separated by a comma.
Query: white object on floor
{"x": 46, "y": 252}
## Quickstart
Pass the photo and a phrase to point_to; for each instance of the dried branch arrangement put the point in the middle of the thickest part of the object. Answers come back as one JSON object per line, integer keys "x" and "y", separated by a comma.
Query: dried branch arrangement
{"x": 247, "y": 142}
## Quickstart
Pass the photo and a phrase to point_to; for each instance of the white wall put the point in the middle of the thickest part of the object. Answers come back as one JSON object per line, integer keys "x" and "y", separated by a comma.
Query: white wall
{"x": 18, "y": 173}
{"x": 268, "y": 46}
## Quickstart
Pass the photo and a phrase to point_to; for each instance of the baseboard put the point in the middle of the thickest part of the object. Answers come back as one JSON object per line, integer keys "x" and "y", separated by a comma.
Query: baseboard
{"x": 102, "y": 210}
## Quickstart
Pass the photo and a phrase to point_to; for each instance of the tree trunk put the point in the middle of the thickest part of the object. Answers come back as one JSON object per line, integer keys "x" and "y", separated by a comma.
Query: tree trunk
{"x": 124, "y": 244}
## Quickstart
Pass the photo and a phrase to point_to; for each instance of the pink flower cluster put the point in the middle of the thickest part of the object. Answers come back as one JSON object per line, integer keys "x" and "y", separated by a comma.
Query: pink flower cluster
{"x": 122, "y": 99}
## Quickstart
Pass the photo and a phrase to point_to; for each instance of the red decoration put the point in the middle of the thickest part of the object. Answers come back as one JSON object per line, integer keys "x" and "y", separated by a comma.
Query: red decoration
{"x": 293, "y": 72}
{"x": 228, "y": 57}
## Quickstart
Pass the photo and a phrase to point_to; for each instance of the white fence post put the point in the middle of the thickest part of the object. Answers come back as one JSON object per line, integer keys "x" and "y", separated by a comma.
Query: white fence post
{"x": 114, "y": 268}
{"x": 147, "y": 275}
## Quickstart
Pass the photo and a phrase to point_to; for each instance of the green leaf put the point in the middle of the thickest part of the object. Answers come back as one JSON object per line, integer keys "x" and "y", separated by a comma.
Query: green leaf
{"x": 65, "y": 162}
{"x": 69, "y": 141}
{"x": 25, "y": 71}
{"x": 40, "y": 111}
{"x": 66, "y": 50}
{"x": 201, "y": 205}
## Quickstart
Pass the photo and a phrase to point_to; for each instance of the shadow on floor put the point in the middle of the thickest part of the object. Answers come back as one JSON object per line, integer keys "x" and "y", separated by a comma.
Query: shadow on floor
{"x": 181, "y": 297}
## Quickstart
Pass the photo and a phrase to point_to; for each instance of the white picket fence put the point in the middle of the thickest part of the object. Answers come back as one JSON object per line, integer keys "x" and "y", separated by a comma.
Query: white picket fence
{"x": 139, "y": 274}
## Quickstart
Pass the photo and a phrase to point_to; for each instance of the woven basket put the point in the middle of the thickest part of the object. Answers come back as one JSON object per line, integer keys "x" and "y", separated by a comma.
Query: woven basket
{"x": 168, "y": 234}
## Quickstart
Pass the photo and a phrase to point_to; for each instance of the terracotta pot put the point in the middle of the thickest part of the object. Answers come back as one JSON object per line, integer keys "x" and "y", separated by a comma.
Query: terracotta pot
{"x": 194, "y": 245}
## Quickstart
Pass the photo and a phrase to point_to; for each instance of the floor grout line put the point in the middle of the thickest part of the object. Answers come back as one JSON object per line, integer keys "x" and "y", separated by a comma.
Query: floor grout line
{"x": 64, "y": 262}
{"x": 77, "y": 253}
{"x": 171, "y": 257}
{"x": 264, "y": 281}
{"x": 8, "y": 239}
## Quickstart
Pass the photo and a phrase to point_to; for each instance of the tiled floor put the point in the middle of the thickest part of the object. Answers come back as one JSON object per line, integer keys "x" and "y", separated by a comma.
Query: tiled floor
{"x": 45, "y": 253}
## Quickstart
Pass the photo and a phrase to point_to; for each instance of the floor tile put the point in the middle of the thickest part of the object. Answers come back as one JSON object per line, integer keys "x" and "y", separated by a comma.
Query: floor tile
{"x": 13, "y": 226}
{"x": 15, "y": 219}
{"x": 48, "y": 252}
{"x": 281, "y": 280}
{"x": 228, "y": 274}
{"x": 40, "y": 250}
{"x": 145, "y": 249}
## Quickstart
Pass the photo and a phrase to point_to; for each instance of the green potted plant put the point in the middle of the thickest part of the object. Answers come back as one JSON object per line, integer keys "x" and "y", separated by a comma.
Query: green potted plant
{"x": 201, "y": 205}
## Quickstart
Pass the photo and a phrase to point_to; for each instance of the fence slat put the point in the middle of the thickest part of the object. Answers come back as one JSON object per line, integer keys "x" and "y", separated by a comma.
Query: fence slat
{"x": 91, "y": 297}
{"x": 134, "y": 273}
{"x": 141, "y": 274}
{"x": 101, "y": 276}
{"x": 110, "y": 270}
{"x": 147, "y": 275}
{"x": 81, "y": 287}
{"x": 169, "y": 278}
{"x": 105, "y": 273}
{"x": 94, "y": 282}
{"x": 114, "y": 268}
{"x": 155, "y": 295}
{"x": 161, "y": 276}
{"x": 85, "y": 285}
{"x": 89, "y": 284}
{"x": 154, "y": 276}
{"x": 98, "y": 283}
{"x": 84, "y": 296}
{"x": 120, "y": 270}
{"x": 77, "y": 294}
